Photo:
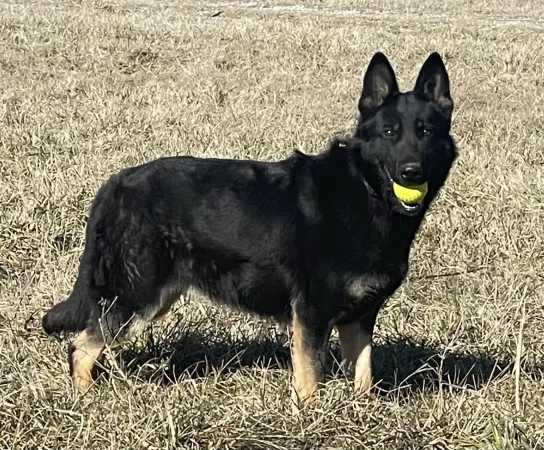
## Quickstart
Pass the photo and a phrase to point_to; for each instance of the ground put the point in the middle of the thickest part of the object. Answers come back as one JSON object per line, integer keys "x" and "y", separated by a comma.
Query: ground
{"x": 88, "y": 87}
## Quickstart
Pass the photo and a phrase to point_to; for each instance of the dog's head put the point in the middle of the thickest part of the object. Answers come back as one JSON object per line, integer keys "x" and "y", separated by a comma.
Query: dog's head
{"x": 407, "y": 133}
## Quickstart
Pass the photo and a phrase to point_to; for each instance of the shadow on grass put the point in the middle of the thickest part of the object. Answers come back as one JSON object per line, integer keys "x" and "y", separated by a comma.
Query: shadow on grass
{"x": 401, "y": 367}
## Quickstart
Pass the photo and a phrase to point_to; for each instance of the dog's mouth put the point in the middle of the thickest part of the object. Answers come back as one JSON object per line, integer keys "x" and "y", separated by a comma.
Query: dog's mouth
{"x": 411, "y": 208}
{"x": 407, "y": 199}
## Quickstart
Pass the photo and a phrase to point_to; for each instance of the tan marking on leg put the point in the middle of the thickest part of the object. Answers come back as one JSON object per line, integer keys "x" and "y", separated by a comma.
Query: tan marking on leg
{"x": 304, "y": 373}
{"x": 86, "y": 351}
{"x": 356, "y": 347}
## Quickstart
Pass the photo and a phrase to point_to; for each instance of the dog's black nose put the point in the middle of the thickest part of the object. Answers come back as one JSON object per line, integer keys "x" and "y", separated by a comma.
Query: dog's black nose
{"x": 411, "y": 173}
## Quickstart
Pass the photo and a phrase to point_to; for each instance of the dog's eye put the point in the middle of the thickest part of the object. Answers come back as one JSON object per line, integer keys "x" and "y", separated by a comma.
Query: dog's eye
{"x": 388, "y": 132}
{"x": 426, "y": 132}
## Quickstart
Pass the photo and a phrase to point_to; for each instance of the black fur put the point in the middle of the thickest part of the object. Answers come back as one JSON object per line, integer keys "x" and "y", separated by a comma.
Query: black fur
{"x": 271, "y": 237}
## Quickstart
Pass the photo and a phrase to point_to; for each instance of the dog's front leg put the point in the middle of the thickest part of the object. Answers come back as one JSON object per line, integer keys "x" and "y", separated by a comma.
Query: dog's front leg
{"x": 356, "y": 344}
{"x": 310, "y": 336}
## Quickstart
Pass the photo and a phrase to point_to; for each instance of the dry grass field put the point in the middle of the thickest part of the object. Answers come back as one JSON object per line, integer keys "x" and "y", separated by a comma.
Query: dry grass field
{"x": 88, "y": 87}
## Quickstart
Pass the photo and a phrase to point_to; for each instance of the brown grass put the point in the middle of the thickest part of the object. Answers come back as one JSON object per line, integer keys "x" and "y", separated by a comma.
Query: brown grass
{"x": 90, "y": 86}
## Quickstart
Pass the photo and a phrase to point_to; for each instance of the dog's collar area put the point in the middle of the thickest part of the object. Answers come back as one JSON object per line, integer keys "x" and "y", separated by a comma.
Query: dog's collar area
{"x": 371, "y": 190}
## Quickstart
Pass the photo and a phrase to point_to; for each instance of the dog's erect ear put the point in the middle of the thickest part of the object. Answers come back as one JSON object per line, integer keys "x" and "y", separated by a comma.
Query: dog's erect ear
{"x": 433, "y": 81}
{"x": 379, "y": 83}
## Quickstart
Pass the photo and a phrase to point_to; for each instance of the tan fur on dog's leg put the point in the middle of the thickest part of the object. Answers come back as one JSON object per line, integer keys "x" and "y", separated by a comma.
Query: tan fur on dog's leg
{"x": 356, "y": 344}
{"x": 85, "y": 350}
{"x": 304, "y": 373}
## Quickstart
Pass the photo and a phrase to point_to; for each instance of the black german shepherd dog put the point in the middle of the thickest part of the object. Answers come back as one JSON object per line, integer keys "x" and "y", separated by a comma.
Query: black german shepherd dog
{"x": 320, "y": 241}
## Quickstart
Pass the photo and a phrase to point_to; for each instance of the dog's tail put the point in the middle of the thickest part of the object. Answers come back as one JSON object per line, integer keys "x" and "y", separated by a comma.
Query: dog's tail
{"x": 71, "y": 315}
{"x": 74, "y": 313}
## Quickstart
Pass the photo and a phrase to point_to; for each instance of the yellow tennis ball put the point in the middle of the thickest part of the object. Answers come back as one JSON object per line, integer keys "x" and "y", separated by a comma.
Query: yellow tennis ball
{"x": 410, "y": 195}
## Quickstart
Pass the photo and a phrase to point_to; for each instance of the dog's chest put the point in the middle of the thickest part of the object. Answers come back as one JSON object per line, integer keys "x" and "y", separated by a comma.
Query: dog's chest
{"x": 366, "y": 289}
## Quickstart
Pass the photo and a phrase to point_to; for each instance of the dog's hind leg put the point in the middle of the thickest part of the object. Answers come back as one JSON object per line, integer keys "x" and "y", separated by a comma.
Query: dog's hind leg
{"x": 356, "y": 344}
{"x": 156, "y": 310}
{"x": 113, "y": 326}
{"x": 107, "y": 326}
{"x": 82, "y": 354}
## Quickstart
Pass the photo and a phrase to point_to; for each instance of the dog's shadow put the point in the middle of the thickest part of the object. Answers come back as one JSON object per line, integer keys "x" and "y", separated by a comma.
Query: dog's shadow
{"x": 401, "y": 367}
